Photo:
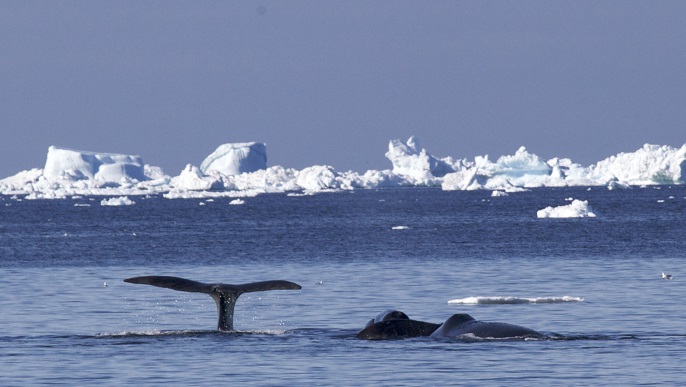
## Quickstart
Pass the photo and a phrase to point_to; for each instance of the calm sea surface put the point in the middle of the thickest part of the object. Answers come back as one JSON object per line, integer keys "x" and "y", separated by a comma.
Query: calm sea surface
{"x": 60, "y": 324}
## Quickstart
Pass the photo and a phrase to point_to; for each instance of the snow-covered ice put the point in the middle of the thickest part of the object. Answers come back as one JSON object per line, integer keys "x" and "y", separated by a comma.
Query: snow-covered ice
{"x": 240, "y": 170}
{"x": 575, "y": 209}
{"x": 117, "y": 201}
{"x": 236, "y": 158}
{"x": 514, "y": 300}
{"x": 62, "y": 163}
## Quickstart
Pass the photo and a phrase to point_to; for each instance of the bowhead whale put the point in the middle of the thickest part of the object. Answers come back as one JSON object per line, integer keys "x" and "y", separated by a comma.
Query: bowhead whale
{"x": 394, "y": 324}
{"x": 224, "y": 295}
{"x": 464, "y": 324}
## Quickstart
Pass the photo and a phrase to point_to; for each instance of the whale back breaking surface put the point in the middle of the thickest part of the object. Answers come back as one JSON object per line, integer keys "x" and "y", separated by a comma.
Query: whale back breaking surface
{"x": 394, "y": 324}
{"x": 464, "y": 324}
{"x": 224, "y": 295}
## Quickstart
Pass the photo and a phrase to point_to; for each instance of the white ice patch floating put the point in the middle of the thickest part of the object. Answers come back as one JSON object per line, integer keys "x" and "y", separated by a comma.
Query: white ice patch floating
{"x": 119, "y": 201}
{"x": 400, "y": 228}
{"x": 514, "y": 300}
{"x": 576, "y": 209}
{"x": 237, "y": 202}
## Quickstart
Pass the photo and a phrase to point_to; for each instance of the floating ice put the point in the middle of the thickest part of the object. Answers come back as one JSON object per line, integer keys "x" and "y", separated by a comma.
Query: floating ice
{"x": 78, "y": 165}
{"x": 236, "y": 202}
{"x": 193, "y": 179}
{"x": 239, "y": 170}
{"x": 409, "y": 159}
{"x": 576, "y": 209}
{"x": 236, "y": 158}
{"x": 514, "y": 300}
{"x": 118, "y": 201}
{"x": 651, "y": 164}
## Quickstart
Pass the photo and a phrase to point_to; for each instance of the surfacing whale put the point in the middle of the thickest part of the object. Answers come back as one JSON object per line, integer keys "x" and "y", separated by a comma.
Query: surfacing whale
{"x": 224, "y": 295}
{"x": 464, "y": 324}
{"x": 393, "y": 324}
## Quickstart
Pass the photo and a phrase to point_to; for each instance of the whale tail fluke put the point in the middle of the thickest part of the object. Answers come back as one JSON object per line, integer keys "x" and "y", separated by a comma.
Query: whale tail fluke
{"x": 225, "y": 295}
{"x": 176, "y": 283}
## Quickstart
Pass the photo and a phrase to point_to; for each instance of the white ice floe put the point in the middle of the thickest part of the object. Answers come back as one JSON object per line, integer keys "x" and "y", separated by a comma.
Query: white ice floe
{"x": 514, "y": 300}
{"x": 576, "y": 209}
{"x": 239, "y": 169}
{"x": 118, "y": 201}
{"x": 236, "y": 202}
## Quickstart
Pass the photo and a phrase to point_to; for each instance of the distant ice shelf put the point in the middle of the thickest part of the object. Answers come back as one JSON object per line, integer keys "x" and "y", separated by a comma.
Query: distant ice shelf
{"x": 240, "y": 170}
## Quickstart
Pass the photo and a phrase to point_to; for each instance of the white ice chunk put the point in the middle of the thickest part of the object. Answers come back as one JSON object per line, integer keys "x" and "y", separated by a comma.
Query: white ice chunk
{"x": 76, "y": 165}
{"x": 412, "y": 160}
{"x": 193, "y": 179}
{"x": 652, "y": 164}
{"x": 236, "y": 158}
{"x": 576, "y": 209}
{"x": 514, "y": 300}
{"x": 118, "y": 201}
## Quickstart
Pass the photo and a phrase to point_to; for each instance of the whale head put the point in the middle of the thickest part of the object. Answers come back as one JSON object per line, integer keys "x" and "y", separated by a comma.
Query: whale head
{"x": 386, "y": 315}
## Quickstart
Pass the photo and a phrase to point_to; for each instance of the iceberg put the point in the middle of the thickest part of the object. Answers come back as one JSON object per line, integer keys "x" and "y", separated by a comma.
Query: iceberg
{"x": 239, "y": 170}
{"x": 236, "y": 158}
{"x": 409, "y": 159}
{"x": 649, "y": 165}
{"x": 77, "y": 165}
{"x": 575, "y": 209}
{"x": 193, "y": 179}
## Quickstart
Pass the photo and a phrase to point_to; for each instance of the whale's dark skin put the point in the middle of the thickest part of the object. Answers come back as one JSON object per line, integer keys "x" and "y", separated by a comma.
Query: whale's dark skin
{"x": 396, "y": 325}
{"x": 464, "y": 324}
{"x": 397, "y": 329}
{"x": 224, "y": 295}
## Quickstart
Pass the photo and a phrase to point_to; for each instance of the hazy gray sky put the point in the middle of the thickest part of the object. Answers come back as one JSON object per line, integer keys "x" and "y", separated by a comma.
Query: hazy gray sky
{"x": 331, "y": 82}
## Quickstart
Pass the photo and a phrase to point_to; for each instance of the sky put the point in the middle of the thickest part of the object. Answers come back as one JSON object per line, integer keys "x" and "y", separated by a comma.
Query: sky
{"x": 331, "y": 82}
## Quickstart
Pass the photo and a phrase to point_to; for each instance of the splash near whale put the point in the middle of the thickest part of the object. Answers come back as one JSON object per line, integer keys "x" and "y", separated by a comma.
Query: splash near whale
{"x": 224, "y": 295}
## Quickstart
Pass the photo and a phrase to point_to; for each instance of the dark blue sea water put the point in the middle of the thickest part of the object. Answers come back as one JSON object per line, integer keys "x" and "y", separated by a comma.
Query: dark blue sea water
{"x": 60, "y": 324}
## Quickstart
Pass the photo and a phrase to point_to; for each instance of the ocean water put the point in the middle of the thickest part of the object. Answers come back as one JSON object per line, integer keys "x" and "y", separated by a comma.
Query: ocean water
{"x": 355, "y": 254}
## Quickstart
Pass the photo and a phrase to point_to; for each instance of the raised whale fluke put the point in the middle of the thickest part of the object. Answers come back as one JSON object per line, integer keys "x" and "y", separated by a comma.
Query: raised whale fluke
{"x": 224, "y": 295}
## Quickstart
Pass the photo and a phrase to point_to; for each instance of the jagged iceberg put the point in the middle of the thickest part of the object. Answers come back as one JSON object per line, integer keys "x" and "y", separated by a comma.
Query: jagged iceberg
{"x": 240, "y": 170}
{"x": 411, "y": 160}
